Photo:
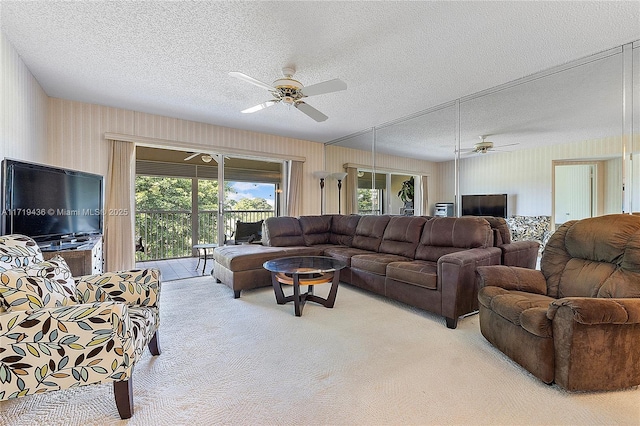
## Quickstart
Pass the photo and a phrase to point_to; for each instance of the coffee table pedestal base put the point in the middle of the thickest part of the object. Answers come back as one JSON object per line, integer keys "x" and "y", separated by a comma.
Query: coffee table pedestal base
{"x": 299, "y": 299}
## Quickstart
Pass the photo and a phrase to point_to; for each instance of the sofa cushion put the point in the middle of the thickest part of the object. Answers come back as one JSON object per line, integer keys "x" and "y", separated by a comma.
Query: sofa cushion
{"x": 584, "y": 278}
{"x": 444, "y": 235}
{"x": 44, "y": 284}
{"x": 418, "y": 272}
{"x": 55, "y": 269}
{"x": 401, "y": 235}
{"x": 315, "y": 229}
{"x": 282, "y": 231}
{"x": 343, "y": 228}
{"x": 375, "y": 263}
{"x": 621, "y": 283}
{"x": 581, "y": 257}
{"x": 369, "y": 232}
{"x": 344, "y": 254}
{"x": 527, "y": 310}
{"x": 247, "y": 256}
{"x": 433, "y": 253}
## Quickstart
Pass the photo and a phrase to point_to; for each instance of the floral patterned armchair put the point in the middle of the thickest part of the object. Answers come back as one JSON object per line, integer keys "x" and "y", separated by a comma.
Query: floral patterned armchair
{"x": 57, "y": 332}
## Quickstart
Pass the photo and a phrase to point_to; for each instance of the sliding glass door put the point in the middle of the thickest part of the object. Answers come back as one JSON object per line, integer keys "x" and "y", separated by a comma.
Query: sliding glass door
{"x": 179, "y": 201}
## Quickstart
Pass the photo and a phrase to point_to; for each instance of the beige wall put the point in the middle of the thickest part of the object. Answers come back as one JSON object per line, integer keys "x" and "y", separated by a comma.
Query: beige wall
{"x": 23, "y": 109}
{"x": 78, "y": 130}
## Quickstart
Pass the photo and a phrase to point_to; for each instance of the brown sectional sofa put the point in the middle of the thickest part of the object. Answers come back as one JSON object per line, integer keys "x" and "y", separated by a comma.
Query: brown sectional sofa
{"x": 429, "y": 263}
{"x": 514, "y": 253}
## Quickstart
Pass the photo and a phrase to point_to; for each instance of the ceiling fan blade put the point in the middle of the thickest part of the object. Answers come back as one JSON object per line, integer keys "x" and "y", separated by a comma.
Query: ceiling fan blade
{"x": 311, "y": 111}
{"x": 252, "y": 80}
{"x": 509, "y": 144}
{"x": 195, "y": 154}
{"x": 259, "y": 107}
{"x": 329, "y": 86}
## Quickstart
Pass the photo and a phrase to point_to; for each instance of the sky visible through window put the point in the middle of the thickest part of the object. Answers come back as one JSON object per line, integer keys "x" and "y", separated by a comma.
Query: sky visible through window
{"x": 252, "y": 190}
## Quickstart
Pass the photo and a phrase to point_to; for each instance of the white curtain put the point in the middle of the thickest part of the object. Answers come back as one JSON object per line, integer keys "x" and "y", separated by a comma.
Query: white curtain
{"x": 351, "y": 199}
{"x": 295, "y": 188}
{"x": 119, "y": 241}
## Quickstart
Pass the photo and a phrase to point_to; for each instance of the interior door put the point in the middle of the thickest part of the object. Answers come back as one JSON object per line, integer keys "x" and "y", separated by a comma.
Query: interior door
{"x": 574, "y": 192}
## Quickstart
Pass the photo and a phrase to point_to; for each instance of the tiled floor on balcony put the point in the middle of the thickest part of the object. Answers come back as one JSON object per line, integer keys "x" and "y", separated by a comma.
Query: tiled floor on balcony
{"x": 177, "y": 269}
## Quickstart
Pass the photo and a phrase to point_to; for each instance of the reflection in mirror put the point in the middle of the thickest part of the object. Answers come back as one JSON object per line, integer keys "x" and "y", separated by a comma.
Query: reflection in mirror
{"x": 417, "y": 146}
{"x": 567, "y": 114}
{"x": 370, "y": 192}
{"x": 577, "y": 190}
{"x": 402, "y": 194}
{"x": 350, "y": 155}
{"x": 509, "y": 137}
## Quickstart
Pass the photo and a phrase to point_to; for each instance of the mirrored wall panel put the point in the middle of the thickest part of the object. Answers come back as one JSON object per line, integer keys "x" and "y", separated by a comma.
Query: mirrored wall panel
{"x": 410, "y": 152}
{"x": 635, "y": 176}
{"x": 354, "y": 156}
{"x": 542, "y": 140}
{"x": 558, "y": 145}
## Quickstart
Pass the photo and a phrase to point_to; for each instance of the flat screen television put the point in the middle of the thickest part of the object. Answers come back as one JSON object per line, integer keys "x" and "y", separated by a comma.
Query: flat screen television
{"x": 49, "y": 203}
{"x": 485, "y": 205}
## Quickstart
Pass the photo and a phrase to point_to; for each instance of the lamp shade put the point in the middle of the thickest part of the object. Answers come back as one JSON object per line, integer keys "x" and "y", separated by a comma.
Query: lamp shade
{"x": 339, "y": 175}
{"x": 321, "y": 174}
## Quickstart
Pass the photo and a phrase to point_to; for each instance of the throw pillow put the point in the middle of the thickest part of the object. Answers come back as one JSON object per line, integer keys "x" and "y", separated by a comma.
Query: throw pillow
{"x": 44, "y": 284}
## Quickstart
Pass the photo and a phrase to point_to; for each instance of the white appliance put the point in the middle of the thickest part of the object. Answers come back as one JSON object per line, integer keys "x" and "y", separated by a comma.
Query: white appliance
{"x": 444, "y": 210}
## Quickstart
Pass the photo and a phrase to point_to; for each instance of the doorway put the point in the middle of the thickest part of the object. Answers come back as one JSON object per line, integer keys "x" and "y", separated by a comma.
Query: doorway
{"x": 577, "y": 190}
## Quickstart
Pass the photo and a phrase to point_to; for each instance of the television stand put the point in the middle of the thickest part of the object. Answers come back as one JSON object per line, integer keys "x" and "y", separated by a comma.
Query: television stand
{"x": 70, "y": 245}
{"x": 83, "y": 257}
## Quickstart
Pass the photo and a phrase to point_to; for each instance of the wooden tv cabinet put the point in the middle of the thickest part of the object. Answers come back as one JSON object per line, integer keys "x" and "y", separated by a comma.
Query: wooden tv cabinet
{"x": 84, "y": 260}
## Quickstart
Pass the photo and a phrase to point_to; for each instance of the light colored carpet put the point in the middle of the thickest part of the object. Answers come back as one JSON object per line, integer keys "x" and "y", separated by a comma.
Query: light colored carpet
{"x": 367, "y": 361}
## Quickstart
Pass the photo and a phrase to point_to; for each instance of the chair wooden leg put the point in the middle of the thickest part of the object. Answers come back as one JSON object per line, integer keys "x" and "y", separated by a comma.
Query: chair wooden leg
{"x": 123, "y": 391}
{"x": 154, "y": 344}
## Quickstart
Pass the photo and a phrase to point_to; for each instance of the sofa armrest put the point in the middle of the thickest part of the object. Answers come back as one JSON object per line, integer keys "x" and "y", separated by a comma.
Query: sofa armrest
{"x": 520, "y": 253}
{"x": 138, "y": 287}
{"x": 457, "y": 280}
{"x": 512, "y": 278}
{"x": 57, "y": 348}
{"x": 594, "y": 310}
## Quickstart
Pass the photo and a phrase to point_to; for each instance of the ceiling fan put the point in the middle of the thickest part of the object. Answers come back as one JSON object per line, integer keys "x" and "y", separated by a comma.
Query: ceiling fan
{"x": 292, "y": 92}
{"x": 205, "y": 157}
{"x": 485, "y": 146}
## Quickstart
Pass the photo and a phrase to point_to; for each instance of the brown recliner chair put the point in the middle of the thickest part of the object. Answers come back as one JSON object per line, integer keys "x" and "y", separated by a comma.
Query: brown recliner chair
{"x": 577, "y": 321}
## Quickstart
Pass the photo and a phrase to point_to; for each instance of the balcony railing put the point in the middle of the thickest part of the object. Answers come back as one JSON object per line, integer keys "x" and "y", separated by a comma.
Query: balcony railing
{"x": 169, "y": 234}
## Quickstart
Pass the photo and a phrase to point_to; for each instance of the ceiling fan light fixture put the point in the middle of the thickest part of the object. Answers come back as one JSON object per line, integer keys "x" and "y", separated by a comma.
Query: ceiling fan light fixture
{"x": 291, "y": 92}
{"x": 207, "y": 158}
{"x": 483, "y": 146}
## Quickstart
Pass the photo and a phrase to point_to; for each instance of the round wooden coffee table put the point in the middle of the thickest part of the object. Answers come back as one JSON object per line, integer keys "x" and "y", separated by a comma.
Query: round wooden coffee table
{"x": 304, "y": 270}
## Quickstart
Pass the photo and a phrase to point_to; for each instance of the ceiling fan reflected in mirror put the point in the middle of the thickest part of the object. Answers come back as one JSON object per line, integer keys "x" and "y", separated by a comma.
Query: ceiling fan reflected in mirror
{"x": 484, "y": 147}
{"x": 205, "y": 157}
{"x": 291, "y": 92}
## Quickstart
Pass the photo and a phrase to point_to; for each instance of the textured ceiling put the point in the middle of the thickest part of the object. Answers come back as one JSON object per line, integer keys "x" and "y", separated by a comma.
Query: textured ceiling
{"x": 397, "y": 58}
